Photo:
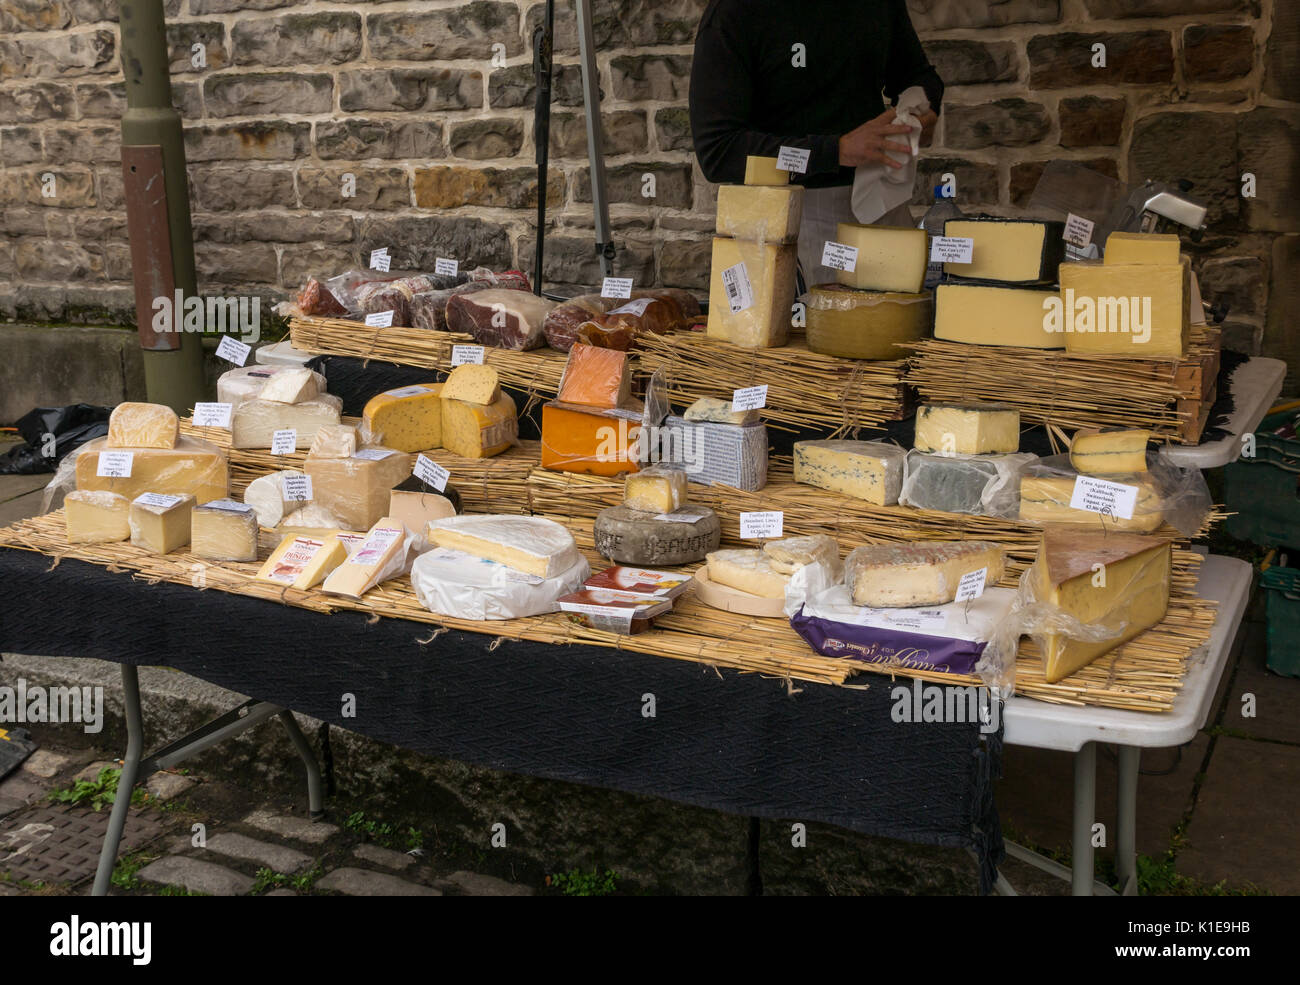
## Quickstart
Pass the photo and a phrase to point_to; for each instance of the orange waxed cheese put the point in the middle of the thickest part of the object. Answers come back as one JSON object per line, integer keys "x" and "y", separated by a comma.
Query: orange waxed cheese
{"x": 596, "y": 377}
{"x": 589, "y": 440}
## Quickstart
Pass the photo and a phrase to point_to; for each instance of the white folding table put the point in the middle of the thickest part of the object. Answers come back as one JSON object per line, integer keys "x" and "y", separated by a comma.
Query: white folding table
{"x": 1255, "y": 385}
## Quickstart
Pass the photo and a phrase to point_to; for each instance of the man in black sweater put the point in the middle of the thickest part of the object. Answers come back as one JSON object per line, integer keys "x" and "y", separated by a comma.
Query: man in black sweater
{"x": 769, "y": 74}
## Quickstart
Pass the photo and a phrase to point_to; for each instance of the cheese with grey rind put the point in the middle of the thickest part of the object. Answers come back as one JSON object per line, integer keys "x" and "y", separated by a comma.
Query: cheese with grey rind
{"x": 888, "y": 576}
{"x": 982, "y": 485}
{"x": 632, "y": 537}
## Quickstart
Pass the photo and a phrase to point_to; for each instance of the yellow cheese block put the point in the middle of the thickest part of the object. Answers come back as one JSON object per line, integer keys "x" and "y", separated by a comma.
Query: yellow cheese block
{"x": 987, "y": 314}
{"x": 1109, "y": 451}
{"x": 1046, "y": 499}
{"x": 133, "y": 425}
{"x": 763, "y": 214}
{"x": 763, "y": 171}
{"x": 751, "y": 292}
{"x": 477, "y": 430}
{"x": 658, "y": 489}
{"x": 1122, "y": 248}
{"x": 967, "y": 429}
{"x": 1137, "y": 310}
{"x": 96, "y": 517}
{"x": 1012, "y": 251}
{"x": 890, "y": 258}
{"x": 747, "y": 571}
{"x": 474, "y": 383}
{"x": 193, "y": 467}
{"x": 160, "y": 523}
{"x": 303, "y": 562}
{"x": 224, "y": 531}
{"x": 866, "y": 324}
{"x": 1129, "y": 592}
{"x": 408, "y": 418}
{"x": 371, "y": 562}
{"x": 356, "y": 490}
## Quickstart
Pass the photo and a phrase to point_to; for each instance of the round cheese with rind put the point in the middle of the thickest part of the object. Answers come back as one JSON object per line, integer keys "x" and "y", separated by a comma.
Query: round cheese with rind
{"x": 854, "y": 324}
{"x": 684, "y": 536}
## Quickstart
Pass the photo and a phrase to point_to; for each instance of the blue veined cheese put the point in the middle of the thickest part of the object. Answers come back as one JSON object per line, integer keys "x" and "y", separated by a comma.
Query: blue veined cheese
{"x": 868, "y": 470}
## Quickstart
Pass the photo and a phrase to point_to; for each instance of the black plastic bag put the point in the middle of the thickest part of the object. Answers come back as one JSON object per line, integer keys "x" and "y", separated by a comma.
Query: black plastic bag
{"x": 71, "y": 426}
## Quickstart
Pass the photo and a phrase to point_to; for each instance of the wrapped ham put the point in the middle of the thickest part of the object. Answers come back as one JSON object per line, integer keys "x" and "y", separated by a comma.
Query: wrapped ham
{"x": 614, "y": 323}
{"x": 509, "y": 319}
{"x": 315, "y": 299}
{"x": 429, "y": 309}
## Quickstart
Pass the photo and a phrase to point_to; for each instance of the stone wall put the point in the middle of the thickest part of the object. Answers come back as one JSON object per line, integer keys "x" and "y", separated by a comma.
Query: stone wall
{"x": 429, "y": 105}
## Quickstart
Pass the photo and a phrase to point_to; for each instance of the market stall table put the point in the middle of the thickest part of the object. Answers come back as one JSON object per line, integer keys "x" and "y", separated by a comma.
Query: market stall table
{"x": 1255, "y": 386}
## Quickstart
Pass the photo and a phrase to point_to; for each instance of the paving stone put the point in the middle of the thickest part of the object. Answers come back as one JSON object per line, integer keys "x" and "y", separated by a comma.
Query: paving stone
{"x": 280, "y": 892}
{"x": 297, "y": 828}
{"x": 165, "y": 786}
{"x": 363, "y": 882}
{"x": 22, "y": 787}
{"x": 384, "y": 856}
{"x": 89, "y": 774}
{"x": 277, "y": 858}
{"x": 1276, "y": 697}
{"x": 473, "y": 884}
{"x": 10, "y": 804}
{"x": 45, "y": 763}
{"x": 196, "y": 876}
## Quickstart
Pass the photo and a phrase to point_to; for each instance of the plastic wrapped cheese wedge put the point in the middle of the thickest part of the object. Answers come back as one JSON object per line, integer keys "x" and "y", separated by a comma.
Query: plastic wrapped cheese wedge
{"x": 908, "y": 575}
{"x": 96, "y": 517}
{"x": 133, "y": 425}
{"x": 255, "y": 421}
{"x": 194, "y": 467}
{"x": 531, "y": 544}
{"x": 246, "y": 382}
{"x": 356, "y": 490}
{"x": 302, "y": 561}
{"x": 789, "y": 555}
{"x": 382, "y": 555}
{"x": 466, "y": 586}
{"x": 982, "y": 485}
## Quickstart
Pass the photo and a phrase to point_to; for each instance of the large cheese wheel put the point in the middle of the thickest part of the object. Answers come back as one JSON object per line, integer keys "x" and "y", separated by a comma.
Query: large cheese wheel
{"x": 855, "y": 324}
{"x": 632, "y": 537}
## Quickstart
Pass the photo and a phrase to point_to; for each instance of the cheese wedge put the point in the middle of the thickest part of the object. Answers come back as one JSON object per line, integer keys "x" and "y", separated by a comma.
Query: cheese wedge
{"x": 789, "y": 555}
{"x": 531, "y": 544}
{"x": 765, "y": 215}
{"x": 890, "y": 258}
{"x": 473, "y": 430}
{"x": 224, "y": 530}
{"x": 868, "y": 470}
{"x": 967, "y": 429}
{"x": 1046, "y": 499}
{"x": 292, "y": 386}
{"x": 356, "y": 490}
{"x": 596, "y": 377}
{"x": 334, "y": 441}
{"x": 907, "y": 575}
{"x": 1124, "y": 248}
{"x": 747, "y": 571}
{"x": 303, "y": 562}
{"x": 160, "y": 523}
{"x": 658, "y": 489}
{"x": 474, "y": 383}
{"x": 376, "y": 560}
{"x": 96, "y": 517}
{"x": 1109, "y": 451}
{"x": 133, "y": 425}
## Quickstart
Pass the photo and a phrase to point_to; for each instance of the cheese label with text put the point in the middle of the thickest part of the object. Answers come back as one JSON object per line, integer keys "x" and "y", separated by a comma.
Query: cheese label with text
{"x": 115, "y": 464}
{"x": 760, "y": 525}
{"x": 740, "y": 292}
{"x": 1078, "y": 230}
{"x": 1108, "y": 498}
{"x": 793, "y": 159}
{"x": 380, "y": 260}
{"x": 380, "y": 319}
{"x": 431, "y": 473}
{"x": 840, "y": 256}
{"x": 297, "y": 487}
{"x": 749, "y": 398}
{"x": 445, "y": 267}
{"x": 616, "y": 287}
{"x": 952, "y": 249}
{"x": 212, "y": 415}
{"x": 284, "y": 442}
{"x": 971, "y": 585}
{"x": 467, "y": 355}
{"x": 161, "y": 500}
{"x": 233, "y": 351}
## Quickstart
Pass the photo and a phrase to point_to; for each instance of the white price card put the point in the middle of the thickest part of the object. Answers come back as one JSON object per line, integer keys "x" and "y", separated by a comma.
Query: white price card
{"x": 616, "y": 287}
{"x": 840, "y": 256}
{"x": 636, "y": 308}
{"x": 284, "y": 442}
{"x": 952, "y": 249}
{"x": 749, "y": 398}
{"x": 374, "y": 454}
{"x": 680, "y": 517}
{"x": 793, "y": 159}
{"x": 1078, "y": 230}
{"x": 380, "y": 260}
{"x": 161, "y": 500}
{"x": 233, "y": 351}
{"x": 115, "y": 464}
{"x": 297, "y": 487}
{"x": 212, "y": 415}
{"x": 1108, "y": 498}
{"x": 971, "y": 585}
{"x": 740, "y": 292}
{"x": 431, "y": 473}
{"x": 755, "y": 526}
{"x": 445, "y": 267}
{"x": 380, "y": 319}
{"x": 462, "y": 355}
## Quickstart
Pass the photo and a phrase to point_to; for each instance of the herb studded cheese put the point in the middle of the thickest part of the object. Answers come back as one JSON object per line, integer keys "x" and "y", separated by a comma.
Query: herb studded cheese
{"x": 408, "y": 418}
{"x": 474, "y": 383}
{"x": 889, "y": 576}
{"x": 868, "y": 470}
{"x": 473, "y": 430}
{"x": 967, "y": 429}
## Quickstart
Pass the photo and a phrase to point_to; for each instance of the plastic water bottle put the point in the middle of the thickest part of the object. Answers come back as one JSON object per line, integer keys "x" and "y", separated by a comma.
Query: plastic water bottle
{"x": 932, "y": 222}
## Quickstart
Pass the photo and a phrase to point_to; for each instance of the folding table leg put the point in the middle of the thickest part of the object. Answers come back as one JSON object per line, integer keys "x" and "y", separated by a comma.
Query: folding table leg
{"x": 308, "y": 760}
{"x": 125, "y": 783}
{"x": 1126, "y": 820}
{"x": 1085, "y": 813}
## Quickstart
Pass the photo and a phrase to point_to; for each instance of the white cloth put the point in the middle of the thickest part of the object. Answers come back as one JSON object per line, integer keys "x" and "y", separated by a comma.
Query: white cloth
{"x": 877, "y": 188}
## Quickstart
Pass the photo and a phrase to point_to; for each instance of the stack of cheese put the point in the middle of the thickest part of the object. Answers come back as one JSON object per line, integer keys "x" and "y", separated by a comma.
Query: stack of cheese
{"x": 594, "y": 424}
{"x": 351, "y": 486}
{"x": 1115, "y": 455}
{"x": 267, "y": 399}
{"x": 717, "y": 445}
{"x": 624, "y": 600}
{"x": 754, "y": 581}
{"x": 142, "y": 453}
{"x": 752, "y": 285}
{"x": 1005, "y": 295}
{"x": 655, "y": 524}
{"x": 468, "y": 415}
{"x": 965, "y": 460}
{"x": 880, "y": 302}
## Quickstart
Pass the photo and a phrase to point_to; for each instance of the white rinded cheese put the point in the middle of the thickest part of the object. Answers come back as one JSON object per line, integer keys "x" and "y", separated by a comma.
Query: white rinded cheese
{"x": 531, "y": 544}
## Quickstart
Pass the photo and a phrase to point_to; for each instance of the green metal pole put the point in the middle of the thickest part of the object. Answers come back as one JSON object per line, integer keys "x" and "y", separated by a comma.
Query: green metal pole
{"x": 172, "y": 377}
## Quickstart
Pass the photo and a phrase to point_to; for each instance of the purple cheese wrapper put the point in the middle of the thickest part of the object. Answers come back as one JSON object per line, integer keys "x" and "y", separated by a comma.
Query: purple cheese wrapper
{"x": 872, "y": 644}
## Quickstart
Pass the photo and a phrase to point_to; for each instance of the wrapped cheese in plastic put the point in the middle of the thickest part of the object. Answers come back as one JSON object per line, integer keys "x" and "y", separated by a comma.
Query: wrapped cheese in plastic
{"x": 194, "y": 467}
{"x": 246, "y": 382}
{"x": 458, "y": 584}
{"x": 356, "y": 489}
{"x": 982, "y": 485}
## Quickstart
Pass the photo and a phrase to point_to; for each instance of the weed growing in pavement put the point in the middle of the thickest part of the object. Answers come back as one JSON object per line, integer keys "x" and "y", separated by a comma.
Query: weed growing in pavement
{"x": 575, "y": 882}
{"x": 98, "y": 793}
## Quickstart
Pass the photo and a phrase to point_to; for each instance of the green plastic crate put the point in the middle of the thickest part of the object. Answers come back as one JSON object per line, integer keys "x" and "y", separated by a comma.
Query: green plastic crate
{"x": 1282, "y": 592}
{"x": 1264, "y": 492}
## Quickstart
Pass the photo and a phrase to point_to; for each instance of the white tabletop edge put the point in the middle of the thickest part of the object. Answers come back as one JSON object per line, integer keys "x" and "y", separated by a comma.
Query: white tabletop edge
{"x": 1255, "y": 385}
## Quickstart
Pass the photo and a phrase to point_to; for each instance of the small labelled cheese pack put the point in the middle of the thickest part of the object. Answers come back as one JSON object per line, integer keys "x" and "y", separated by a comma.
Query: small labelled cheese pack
{"x": 382, "y": 555}
{"x": 133, "y": 425}
{"x": 160, "y": 523}
{"x": 334, "y": 441}
{"x": 596, "y": 377}
{"x": 613, "y": 612}
{"x": 643, "y": 582}
{"x": 302, "y": 562}
{"x": 472, "y": 383}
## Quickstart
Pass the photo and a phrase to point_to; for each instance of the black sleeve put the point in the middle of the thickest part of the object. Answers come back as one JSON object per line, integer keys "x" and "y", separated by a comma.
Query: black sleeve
{"x": 720, "y": 105}
{"x": 907, "y": 64}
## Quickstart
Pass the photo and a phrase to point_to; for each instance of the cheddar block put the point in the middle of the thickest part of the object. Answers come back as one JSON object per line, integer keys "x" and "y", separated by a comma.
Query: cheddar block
{"x": 96, "y": 517}
{"x": 303, "y": 562}
{"x": 479, "y": 431}
{"x": 224, "y": 530}
{"x": 473, "y": 383}
{"x": 1013, "y": 251}
{"x": 1131, "y": 596}
{"x": 160, "y": 523}
{"x": 752, "y": 288}
{"x": 334, "y": 441}
{"x": 590, "y": 440}
{"x": 765, "y": 215}
{"x": 1137, "y": 310}
{"x": 1123, "y": 248}
{"x": 1109, "y": 451}
{"x": 986, "y": 314}
{"x": 658, "y": 489}
{"x": 763, "y": 171}
{"x": 967, "y": 429}
{"x": 292, "y": 386}
{"x": 854, "y": 324}
{"x": 355, "y": 490}
{"x": 378, "y": 558}
{"x": 890, "y": 258}
{"x": 194, "y": 467}
{"x": 596, "y": 377}
{"x": 133, "y": 425}
{"x": 408, "y": 418}
{"x": 1046, "y": 499}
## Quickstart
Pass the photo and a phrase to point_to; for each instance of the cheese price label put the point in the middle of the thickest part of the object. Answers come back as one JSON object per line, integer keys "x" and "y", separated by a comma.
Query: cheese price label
{"x": 212, "y": 415}
{"x": 297, "y": 487}
{"x": 749, "y": 398}
{"x": 840, "y": 256}
{"x": 160, "y": 500}
{"x": 380, "y": 319}
{"x": 233, "y": 351}
{"x": 916, "y": 618}
{"x": 446, "y": 268}
{"x": 284, "y": 442}
{"x": 1107, "y": 498}
{"x": 408, "y": 391}
{"x": 680, "y": 517}
{"x": 374, "y": 454}
{"x": 952, "y": 249}
{"x": 616, "y": 287}
{"x": 431, "y": 473}
{"x": 380, "y": 260}
{"x": 1078, "y": 230}
{"x": 756, "y": 526}
{"x": 971, "y": 585}
{"x": 740, "y": 292}
{"x": 636, "y": 308}
{"x": 462, "y": 355}
{"x": 115, "y": 464}
{"x": 793, "y": 159}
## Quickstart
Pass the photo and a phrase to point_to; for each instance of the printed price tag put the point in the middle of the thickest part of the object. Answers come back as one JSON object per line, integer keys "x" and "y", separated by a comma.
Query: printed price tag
{"x": 374, "y": 454}
{"x": 160, "y": 500}
{"x": 1078, "y": 230}
{"x": 445, "y": 267}
{"x": 431, "y": 473}
{"x": 971, "y": 585}
{"x": 793, "y": 159}
{"x": 740, "y": 292}
{"x": 680, "y": 517}
{"x": 115, "y": 464}
{"x": 233, "y": 351}
{"x": 755, "y": 526}
{"x": 297, "y": 487}
{"x": 636, "y": 307}
{"x": 952, "y": 249}
{"x": 616, "y": 287}
{"x": 380, "y": 319}
{"x": 749, "y": 398}
{"x": 1108, "y": 498}
{"x": 212, "y": 415}
{"x": 228, "y": 506}
{"x": 462, "y": 355}
{"x": 407, "y": 391}
{"x": 840, "y": 256}
{"x": 284, "y": 442}
{"x": 916, "y": 618}
{"x": 380, "y": 260}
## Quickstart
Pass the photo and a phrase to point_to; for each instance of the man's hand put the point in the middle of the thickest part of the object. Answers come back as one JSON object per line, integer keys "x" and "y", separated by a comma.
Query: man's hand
{"x": 869, "y": 142}
{"x": 928, "y": 119}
